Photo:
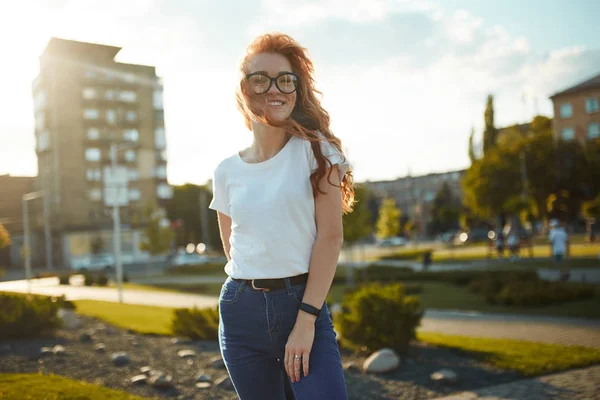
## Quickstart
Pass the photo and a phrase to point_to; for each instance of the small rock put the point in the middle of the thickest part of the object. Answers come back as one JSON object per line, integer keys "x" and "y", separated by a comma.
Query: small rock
{"x": 59, "y": 350}
{"x": 135, "y": 343}
{"x": 351, "y": 367}
{"x": 186, "y": 353}
{"x": 69, "y": 318}
{"x": 100, "y": 348}
{"x": 120, "y": 359}
{"x": 217, "y": 362}
{"x": 46, "y": 351}
{"x": 146, "y": 370}
{"x": 190, "y": 361}
{"x": 101, "y": 328}
{"x": 224, "y": 383}
{"x": 85, "y": 337}
{"x": 382, "y": 361}
{"x": 445, "y": 376}
{"x": 203, "y": 385}
{"x": 177, "y": 340}
{"x": 161, "y": 381}
{"x": 203, "y": 378}
{"x": 139, "y": 379}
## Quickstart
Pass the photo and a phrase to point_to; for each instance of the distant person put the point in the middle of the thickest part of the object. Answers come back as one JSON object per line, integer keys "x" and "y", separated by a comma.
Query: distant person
{"x": 500, "y": 244}
{"x": 559, "y": 240}
{"x": 513, "y": 244}
{"x": 280, "y": 204}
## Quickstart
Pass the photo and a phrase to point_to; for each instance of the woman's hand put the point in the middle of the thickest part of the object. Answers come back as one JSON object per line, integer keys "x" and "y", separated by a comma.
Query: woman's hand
{"x": 299, "y": 345}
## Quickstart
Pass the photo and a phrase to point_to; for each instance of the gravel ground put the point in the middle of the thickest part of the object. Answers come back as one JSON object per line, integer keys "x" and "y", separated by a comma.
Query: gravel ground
{"x": 82, "y": 362}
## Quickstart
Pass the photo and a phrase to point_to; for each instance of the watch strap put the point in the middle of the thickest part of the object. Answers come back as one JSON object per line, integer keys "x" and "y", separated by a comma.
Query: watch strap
{"x": 310, "y": 309}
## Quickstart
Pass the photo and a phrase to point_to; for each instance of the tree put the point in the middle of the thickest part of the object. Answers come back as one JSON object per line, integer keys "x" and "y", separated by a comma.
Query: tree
{"x": 157, "y": 237}
{"x": 5, "y": 240}
{"x": 185, "y": 206}
{"x": 490, "y": 132}
{"x": 472, "y": 156}
{"x": 445, "y": 210}
{"x": 357, "y": 224}
{"x": 388, "y": 224}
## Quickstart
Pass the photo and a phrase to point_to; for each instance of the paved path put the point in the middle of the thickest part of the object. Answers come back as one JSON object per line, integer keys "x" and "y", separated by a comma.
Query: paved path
{"x": 579, "y": 384}
{"x": 568, "y": 331}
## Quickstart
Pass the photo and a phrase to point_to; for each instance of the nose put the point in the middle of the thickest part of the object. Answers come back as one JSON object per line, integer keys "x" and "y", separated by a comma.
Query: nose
{"x": 273, "y": 88}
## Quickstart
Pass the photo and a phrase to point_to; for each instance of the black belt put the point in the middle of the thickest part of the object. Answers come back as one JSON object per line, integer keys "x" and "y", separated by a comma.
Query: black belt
{"x": 274, "y": 284}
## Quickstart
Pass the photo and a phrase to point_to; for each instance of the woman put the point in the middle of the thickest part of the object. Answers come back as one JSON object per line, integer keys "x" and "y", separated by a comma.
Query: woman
{"x": 280, "y": 205}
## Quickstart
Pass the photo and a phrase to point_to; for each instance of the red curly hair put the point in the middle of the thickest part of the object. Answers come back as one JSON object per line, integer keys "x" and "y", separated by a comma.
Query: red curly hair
{"x": 308, "y": 118}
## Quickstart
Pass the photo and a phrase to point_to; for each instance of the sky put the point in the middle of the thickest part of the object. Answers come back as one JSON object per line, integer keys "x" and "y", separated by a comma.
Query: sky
{"x": 403, "y": 81}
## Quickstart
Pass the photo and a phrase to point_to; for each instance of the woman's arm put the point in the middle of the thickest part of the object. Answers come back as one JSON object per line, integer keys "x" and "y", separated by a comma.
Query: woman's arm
{"x": 325, "y": 254}
{"x": 225, "y": 230}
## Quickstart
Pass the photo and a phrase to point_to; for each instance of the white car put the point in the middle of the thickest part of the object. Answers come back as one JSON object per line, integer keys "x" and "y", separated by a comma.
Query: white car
{"x": 100, "y": 262}
{"x": 188, "y": 259}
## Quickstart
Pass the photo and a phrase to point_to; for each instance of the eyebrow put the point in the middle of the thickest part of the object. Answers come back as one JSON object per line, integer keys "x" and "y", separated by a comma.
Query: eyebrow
{"x": 266, "y": 73}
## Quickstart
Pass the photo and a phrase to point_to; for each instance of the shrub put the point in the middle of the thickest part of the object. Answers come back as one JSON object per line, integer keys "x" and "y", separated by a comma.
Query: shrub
{"x": 541, "y": 293}
{"x": 88, "y": 279}
{"x": 102, "y": 280}
{"x": 195, "y": 323}
{"x": 24, "y": 315}
{"x": 63, "y": 279}
{"x": 414, "y": 255}
{"x": 377, "y": 316}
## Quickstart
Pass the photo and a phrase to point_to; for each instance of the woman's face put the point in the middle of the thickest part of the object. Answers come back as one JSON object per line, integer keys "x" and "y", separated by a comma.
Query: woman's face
{"x": 277, "y": 103}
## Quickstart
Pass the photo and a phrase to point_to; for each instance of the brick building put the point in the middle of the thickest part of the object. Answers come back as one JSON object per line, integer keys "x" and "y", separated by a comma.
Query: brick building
{"x": 577, "y": 111}
{"x": 84, "y": 102}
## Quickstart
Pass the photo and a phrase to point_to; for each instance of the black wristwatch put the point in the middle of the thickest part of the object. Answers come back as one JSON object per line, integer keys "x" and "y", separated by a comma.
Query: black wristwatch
{"x": 310, "y": 309}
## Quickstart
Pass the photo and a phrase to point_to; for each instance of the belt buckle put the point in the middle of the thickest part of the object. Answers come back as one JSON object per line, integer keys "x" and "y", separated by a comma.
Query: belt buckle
{"x": 258, "y": 288}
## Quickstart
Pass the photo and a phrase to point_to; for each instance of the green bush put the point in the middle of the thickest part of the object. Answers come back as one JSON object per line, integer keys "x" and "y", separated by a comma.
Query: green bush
{"x": 24, "y": 315}
{"x": 413, "y": 255}
{"x": 88, "y": 279}
{"x": 102, "y": 280}
{"x": 63, "y": 278}
{"x": 195, "y": 323}
{"x": 376, "y": 316}
{"x": 541, "y": 293}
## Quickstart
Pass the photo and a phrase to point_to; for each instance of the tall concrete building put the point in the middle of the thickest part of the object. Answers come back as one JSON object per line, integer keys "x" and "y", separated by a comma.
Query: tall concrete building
{"x": 577, "y": 111}
{"x": 85, "y": 102}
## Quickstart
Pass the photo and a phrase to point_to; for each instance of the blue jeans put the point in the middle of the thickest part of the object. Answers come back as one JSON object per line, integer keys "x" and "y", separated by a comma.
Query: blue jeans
{"x": 254, "y": 326}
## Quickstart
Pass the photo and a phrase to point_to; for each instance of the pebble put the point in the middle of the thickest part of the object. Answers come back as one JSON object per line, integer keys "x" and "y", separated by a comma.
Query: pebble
{"x": 186, "y": 353}
{"x": 203, "y": 385}
{"x": 382, "y": 361}
{"x": 217, "y": 362}
{"x": 100, "y": 348}
{"x": 120, "y": 359}
{"x": 161, "y": 381}
{"x": 59, "y": 350}
{"x": 351, "y": 367}
{"x": 224, "y": 383}
{"x": 445, "y": 376}
{"x": 203, "y": 378}
{"x": 85, "y": 337}
{"x": 46, "y": 351}
{"x": 146, "y": 370}
{"x": 139, "y": 379}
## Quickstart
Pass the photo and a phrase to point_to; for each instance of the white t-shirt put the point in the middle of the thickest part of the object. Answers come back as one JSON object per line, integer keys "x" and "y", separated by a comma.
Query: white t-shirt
{"x": 558, "y": 237}
{"x": 272, "y": 210}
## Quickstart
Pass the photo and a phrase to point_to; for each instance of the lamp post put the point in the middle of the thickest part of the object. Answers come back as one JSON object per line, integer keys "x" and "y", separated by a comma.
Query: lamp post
{"x": 26, "y": 238}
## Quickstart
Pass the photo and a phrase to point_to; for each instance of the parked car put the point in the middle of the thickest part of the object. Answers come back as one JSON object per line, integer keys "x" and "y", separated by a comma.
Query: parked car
{"x": 99, "y": 262}
{"x": 473, "y": 236}
{"x": 393, "y": 241}
{"x": 188, "y": 259}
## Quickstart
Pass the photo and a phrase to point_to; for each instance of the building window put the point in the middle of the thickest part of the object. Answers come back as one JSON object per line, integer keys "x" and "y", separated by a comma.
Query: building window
{"x": 128, "y": 95}
{"x": 131, "y": 135}
{"x": 40, "y": 100}
{"x": 567, "y": 134}
{"x": 89, "y": 93}
{"x": 43, "y": 141}
{"x": 92, "y": 154}
{"x": 157, "y": 99}
{"x": 40, "y": 121}
{"x": 95, "y": 194}
{"x": 93, "y": 134}
{"x": 161, "y": 172}
{"x": 159, "y": 116}
{"x": 111, "y": 117}
{"x": 164, "y": 191}
{"x": 110, "y": 94}
{"x": 133, "y": 174}
{"x": 131, "y": 116}
{"x": 135, "y": 194}
{"x": 93, "y": 174}
{"x": 160, "y": 140}
{"x": 90, "y": 113}
{"x": 566, "y": 110}
{"x": 593, "y": 130}
{"x": 591, "y": 105}
{"x": 130, "y": 155}
{"x": 161, "y": 155}
{"x": 128, "y": 77}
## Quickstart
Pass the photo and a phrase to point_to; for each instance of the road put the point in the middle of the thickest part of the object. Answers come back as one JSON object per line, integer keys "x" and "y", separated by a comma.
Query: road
{"x": 567, "y": 331}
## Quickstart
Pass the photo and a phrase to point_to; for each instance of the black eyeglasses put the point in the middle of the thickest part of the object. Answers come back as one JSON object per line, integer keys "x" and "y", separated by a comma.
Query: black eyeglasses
{"x": 260, "y": 82}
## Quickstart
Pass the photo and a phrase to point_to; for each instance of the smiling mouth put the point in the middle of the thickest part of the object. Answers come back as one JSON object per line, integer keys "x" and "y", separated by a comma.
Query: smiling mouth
{"x": 276, "y": 103}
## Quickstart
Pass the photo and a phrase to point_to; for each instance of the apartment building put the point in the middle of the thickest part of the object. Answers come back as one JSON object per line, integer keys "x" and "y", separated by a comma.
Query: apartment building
{"x": 577, "y": 111}
{"x": 84, "y": 103}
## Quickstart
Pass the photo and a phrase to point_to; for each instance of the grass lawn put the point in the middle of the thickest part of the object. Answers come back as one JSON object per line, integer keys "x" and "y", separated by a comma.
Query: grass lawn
{"x": 529, "y": 358}
{"x": 140, "y": 318}
{"x": 53, "y": 387}
{"x": 524, "y": 356}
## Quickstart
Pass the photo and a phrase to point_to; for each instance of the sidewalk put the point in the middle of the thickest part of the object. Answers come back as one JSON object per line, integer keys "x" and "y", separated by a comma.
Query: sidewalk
{"x": 579, "y": 384}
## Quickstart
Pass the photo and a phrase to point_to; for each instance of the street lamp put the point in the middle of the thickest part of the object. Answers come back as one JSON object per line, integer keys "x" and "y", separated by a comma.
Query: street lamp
{"x": 26, "y": 238}
{"x": 114, "y": 149}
